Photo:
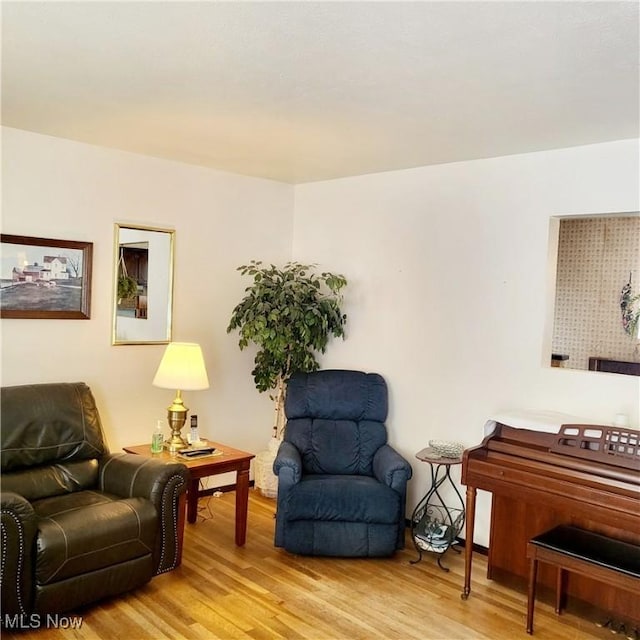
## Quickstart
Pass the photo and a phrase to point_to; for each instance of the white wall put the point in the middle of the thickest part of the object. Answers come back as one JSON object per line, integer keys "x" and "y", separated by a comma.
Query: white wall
{"x": 55, "y": 188}
{"x": 447, "y": 269}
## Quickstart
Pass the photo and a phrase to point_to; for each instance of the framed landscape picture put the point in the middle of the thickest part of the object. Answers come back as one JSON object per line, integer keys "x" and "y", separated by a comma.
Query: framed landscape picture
{"x": 44, "y": 278}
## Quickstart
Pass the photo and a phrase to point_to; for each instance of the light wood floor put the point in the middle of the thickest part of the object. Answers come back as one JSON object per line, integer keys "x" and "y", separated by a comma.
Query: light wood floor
{"x": 259, "y": 592}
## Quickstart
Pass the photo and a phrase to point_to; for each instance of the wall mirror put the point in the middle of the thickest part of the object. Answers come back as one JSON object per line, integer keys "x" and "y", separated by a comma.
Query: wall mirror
{"x": 596, "y": 311}
{"x": 142, "y": 284}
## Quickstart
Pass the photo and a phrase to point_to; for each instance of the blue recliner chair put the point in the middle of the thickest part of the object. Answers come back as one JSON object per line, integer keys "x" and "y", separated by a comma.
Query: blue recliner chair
{"x": 341, "y": 487}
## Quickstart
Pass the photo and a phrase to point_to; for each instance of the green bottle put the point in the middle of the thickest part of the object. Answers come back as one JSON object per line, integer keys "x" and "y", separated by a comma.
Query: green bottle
{"x": 157, "y": 439}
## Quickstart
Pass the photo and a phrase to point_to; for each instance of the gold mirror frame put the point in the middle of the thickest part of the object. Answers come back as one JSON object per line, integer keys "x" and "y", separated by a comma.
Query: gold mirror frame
{"x": 143, "y": 256}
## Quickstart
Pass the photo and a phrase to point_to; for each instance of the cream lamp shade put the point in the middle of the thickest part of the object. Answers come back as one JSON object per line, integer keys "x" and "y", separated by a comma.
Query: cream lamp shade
{"x": 181, "y": 368}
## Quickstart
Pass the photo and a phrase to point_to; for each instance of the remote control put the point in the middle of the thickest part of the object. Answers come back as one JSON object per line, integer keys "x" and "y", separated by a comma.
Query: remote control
{"x": 197, "y": 452}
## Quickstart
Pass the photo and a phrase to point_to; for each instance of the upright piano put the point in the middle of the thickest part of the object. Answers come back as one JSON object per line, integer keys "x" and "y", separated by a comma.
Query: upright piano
{"x": 584, "y": 475}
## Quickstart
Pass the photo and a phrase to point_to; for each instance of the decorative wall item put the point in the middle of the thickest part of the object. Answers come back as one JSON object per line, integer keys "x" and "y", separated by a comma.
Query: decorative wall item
{"x": 45, "y": 278}
{"x": 143, "y": 285}
{"x": 630, "y": 314}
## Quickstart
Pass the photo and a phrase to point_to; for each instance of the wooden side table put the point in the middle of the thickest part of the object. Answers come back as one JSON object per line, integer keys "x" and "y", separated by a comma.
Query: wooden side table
{"x": 230, "y": 460}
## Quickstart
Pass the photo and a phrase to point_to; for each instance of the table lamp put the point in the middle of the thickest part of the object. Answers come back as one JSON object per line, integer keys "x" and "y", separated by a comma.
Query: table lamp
{"x": 181, "y": 368}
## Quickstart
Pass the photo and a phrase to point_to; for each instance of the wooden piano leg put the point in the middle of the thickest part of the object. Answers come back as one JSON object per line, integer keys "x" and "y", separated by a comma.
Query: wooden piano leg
{"x": 470, "y": 515}
{"x": 531, "y": 595}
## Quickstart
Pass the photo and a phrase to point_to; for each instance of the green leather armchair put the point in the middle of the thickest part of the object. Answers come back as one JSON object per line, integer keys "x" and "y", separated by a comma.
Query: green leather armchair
{"x": 78, "y": 524}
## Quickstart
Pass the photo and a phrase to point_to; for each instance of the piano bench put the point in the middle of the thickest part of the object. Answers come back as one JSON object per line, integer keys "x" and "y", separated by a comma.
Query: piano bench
{"x": 613, "y": 562}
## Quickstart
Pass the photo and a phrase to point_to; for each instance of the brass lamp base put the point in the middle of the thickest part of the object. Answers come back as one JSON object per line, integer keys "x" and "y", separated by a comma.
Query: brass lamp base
{"x": 176, "y": 416}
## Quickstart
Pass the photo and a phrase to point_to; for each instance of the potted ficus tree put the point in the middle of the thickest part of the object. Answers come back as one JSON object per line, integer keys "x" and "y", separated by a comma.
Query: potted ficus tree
{"x": 289, "y": 313}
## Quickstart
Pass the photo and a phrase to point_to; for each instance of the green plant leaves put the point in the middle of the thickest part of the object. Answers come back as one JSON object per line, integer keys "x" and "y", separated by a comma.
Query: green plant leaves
{"x": 290, "y": 314}
{"x": 127, "y": 287}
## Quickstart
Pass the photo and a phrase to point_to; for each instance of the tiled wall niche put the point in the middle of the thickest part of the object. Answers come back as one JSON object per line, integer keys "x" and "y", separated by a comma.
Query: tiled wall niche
{"x": 596, "y": 257}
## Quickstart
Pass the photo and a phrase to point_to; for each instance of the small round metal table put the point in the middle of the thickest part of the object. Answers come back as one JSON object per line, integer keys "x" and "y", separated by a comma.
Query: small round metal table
{"x": 437, "y": 520}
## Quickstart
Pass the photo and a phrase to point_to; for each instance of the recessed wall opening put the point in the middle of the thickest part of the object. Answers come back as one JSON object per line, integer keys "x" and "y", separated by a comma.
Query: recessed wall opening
{"x": 595, "y": 293}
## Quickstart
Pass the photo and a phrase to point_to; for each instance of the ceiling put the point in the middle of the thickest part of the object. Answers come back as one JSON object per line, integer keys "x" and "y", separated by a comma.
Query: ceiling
{"x": 305, "y": 91}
